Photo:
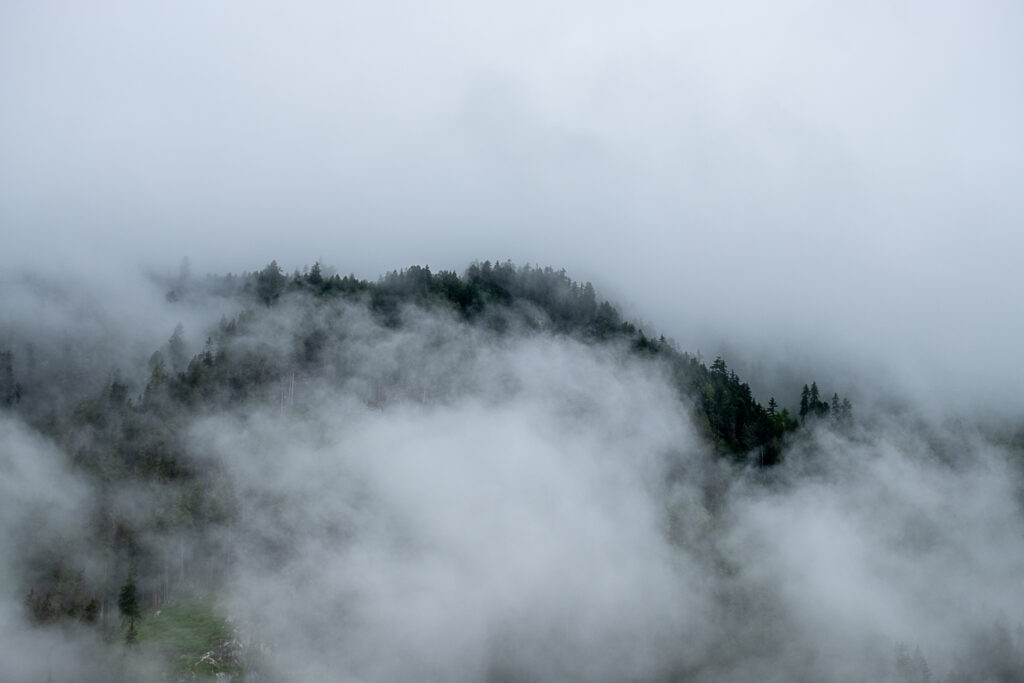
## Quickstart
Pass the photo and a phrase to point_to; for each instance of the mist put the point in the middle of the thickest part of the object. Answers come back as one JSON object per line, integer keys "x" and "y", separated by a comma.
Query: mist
{"x": 812, "y": 193}
{"x": 840, "y": 183}
{"x": 455, "y": 501}
{"x": 494, "y": 535}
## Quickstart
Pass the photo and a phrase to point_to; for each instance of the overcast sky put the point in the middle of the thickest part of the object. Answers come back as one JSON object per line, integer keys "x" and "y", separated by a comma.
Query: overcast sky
{"x": 803, "y": 179}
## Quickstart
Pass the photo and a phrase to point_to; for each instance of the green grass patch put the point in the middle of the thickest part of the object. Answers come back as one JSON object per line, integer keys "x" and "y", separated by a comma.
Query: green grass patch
{"x": 191, "y": 636}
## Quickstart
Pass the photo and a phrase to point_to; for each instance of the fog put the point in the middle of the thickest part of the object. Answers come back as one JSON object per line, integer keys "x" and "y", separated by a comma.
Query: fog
{"x": 838, "y": 182}
{"x": 493, "y": 535}
{"x": 446, "y": 502}
{"x": 814, "y": 192}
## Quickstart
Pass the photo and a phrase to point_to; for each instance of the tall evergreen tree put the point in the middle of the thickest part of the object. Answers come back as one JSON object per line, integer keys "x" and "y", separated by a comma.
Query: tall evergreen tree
{"x": 128, "y": 603}
{"x": 315, "y": 277}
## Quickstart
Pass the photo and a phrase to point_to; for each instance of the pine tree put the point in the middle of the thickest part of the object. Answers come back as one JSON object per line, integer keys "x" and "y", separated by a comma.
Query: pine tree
{"x": 128, "y": 603}
{"x": 315, "y": 277}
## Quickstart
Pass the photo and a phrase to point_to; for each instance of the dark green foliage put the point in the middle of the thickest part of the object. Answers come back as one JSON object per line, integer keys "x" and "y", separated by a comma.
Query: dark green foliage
{"x": 449, "y": 287}
{"x": 811, "y": 404}
{"x": 522, "y": 293}
{"x": 499, "y": 295}
{"x": 737, "y": 423}
{"x": 270, "y": 283}
{"x": 514, "y": 294}
{"x": 128, "y": 604}
{"x": 839, "y": 411}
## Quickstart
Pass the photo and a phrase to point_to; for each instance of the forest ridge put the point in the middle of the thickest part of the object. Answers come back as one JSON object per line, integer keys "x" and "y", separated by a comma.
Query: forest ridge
{"x": 288, "y": 334}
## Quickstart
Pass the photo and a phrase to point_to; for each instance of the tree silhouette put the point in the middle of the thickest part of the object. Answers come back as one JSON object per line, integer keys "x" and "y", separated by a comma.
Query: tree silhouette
{"x": 128, "y": 603}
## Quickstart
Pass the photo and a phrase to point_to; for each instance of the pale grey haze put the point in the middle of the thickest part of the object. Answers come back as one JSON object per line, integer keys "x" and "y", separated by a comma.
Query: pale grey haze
{"x": 834, "y": 183}
{"x": 829, "y": 191}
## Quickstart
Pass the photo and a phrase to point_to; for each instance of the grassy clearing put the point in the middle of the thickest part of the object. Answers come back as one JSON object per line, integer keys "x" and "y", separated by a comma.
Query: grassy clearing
{"x": 192, "y": 637}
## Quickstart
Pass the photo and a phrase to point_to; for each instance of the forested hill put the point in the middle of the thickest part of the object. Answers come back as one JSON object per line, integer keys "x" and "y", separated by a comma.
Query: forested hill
{"x": 150, "y": 534}
{"x": 500, "y": 298}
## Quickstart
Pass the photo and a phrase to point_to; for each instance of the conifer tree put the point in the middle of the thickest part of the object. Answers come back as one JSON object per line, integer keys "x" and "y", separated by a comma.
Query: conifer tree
{"x": 315, "y": 277}
{"x": 128, "y": 603}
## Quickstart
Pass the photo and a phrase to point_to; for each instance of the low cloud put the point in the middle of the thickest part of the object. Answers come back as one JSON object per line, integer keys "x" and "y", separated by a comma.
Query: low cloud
{"x": 440, "y": 500}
